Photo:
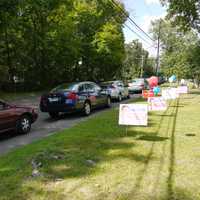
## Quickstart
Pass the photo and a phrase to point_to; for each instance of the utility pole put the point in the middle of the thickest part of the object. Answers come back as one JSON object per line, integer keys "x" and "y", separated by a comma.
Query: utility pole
{"x": 142, "y": 66}
{"x": 158, "y": 50}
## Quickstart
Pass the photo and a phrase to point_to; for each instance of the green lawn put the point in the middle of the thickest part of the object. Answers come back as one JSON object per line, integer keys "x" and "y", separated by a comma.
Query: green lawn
{"x": 158, "y": 162}
{"x": 18, "y": 95}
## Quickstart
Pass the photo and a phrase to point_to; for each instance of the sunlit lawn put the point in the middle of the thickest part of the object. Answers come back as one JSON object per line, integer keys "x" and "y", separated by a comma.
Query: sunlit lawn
{"x": 96, "y": 160}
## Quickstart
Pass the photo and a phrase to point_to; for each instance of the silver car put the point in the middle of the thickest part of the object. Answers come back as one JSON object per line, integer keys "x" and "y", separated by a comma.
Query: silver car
{"x": 137, "y": 85}
{"x": 117, "y": 90}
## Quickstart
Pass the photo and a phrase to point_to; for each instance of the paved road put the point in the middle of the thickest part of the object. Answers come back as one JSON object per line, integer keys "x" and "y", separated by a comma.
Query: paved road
{"x": 43, "y": 127}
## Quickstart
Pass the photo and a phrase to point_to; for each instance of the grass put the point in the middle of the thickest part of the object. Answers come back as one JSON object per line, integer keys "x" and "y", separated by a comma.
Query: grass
{"x": 18, "y": 95}
{"x": 158, "y": 162}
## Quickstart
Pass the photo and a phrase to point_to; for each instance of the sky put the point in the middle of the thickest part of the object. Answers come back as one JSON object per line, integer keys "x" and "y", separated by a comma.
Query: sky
{"x": 143, "y": 12}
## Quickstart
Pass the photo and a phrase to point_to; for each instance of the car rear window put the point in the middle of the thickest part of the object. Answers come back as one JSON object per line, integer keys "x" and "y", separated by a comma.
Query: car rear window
{"x": 106, "y": 85}
{"x": 65, "y": 87}
{"x": 137, "y": 81}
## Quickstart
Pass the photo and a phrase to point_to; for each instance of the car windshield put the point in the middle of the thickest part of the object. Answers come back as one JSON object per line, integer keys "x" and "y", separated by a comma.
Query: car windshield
{"x": 106, "y": 84}
{"x": 65, "y": 87}
{"x": 137, "y": 81}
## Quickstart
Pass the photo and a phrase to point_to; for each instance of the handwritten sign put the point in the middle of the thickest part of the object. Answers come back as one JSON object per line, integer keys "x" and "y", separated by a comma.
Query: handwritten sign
{"x": 182, "y": 89}
{"x": 133, "y": 114}
{"x": 170, "y": 93}
{"x": 157, "y": 104}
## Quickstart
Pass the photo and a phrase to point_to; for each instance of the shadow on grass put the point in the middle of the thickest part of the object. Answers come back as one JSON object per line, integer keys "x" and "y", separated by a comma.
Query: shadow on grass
{"x": 149, "y": 156}
{"x": 152, "y": 138}
{"x": 170, "y": 180}
{"x": 92, "y": 140}
{"x": 65, "y": 155}
{"x": 171, "y": 194}
{"x": 195, "y": 92}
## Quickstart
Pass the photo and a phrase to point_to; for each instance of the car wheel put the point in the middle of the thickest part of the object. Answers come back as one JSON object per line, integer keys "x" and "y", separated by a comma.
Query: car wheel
{"x": 54, "y": 114}
{"x": 87, "y": 108}
{"x": 108, "y": 103}
{"x": 120, "y": 97}
{"x": 24, "y": 125}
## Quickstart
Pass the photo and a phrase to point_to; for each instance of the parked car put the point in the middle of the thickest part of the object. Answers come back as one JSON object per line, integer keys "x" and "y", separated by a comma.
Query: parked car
{"x": 161, "y": 80}
{"x": 72, "y": 97}
{"x": 116, "y": 89}
{"x": 18, "y": 118}
{"x": 137, "y": 85}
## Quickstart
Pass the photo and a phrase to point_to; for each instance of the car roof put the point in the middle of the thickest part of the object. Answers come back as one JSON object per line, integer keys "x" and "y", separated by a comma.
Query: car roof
{"x": 1, "y": 100}
{"x": 109, "y": 82}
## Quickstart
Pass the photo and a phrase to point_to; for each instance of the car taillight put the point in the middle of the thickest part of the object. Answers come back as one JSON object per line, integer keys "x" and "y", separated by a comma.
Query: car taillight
{"x": 112, "y": 87}
{"x": 33, "y": 111}
{"x": 43, "y": 100}
{"x": 72, "y": 96}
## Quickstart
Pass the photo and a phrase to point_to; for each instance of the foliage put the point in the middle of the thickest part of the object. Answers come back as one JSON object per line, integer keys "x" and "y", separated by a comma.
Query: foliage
{"x": 137, "y": 62}
{"x": 43, "y": 41}
{"x": 185, "y": 13}
{"x": 177, "y": 50}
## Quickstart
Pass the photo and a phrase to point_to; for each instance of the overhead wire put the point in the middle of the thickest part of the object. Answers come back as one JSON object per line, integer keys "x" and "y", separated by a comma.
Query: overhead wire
{"x": 131, "y": 20}
{"x": 136, "y": 34}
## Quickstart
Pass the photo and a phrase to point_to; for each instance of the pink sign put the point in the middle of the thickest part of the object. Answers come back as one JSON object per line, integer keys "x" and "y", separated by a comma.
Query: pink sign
{"x": 182, "y": 89}
{"x": 157, "y": 104}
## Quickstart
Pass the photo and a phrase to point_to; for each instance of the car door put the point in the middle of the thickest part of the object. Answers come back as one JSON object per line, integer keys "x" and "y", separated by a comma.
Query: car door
{"x": 95, "y": 96}
{"x": 82, "y": 95}
{"x": 7, "y": 117}
{"x": 100, "y": 95}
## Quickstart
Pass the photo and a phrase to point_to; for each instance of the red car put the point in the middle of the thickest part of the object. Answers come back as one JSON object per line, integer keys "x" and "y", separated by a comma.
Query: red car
{"x": 16, "y": 118}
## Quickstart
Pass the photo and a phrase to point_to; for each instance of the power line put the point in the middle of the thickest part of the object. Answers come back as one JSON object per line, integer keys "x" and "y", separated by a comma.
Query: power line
{"x": 152, "y": 46}
{"x": 136, "y": 34}
{"x": 132, "y": 29}
{"x": 133, "y": 22}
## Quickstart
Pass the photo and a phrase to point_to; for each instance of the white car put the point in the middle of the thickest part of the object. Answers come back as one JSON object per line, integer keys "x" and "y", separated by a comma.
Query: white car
{"x": 137, "y": 85}
{"x": 116, "y": 89}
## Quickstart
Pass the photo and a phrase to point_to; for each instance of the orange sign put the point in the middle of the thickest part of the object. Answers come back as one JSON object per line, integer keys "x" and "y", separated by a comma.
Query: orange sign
{"x": 147, "y": 93}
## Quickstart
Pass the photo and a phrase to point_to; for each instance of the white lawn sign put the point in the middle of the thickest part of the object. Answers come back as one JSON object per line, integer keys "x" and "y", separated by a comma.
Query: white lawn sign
{"x": 174, "y": 92}
{"x": 157, "y": 104}
{"x": 133, "y": 114}
{"x": 170, "y": 93}
{"x": 182, "y": 89}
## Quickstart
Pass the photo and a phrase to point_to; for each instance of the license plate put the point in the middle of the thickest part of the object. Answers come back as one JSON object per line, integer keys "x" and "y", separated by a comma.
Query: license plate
{"x": 55, "y": 99}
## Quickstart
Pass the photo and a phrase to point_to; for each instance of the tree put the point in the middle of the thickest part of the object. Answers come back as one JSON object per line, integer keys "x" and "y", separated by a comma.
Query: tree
{"x": 176, "y": 49}
{"x": 184, "y": 13}
{"x": 137, "y": 62}
{"x": 43, "y": 41}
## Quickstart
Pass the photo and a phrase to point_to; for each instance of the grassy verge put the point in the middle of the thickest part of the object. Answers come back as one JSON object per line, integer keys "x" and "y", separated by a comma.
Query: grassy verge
{"x": 96, "y": 160}
{"x": 17, "y": 95}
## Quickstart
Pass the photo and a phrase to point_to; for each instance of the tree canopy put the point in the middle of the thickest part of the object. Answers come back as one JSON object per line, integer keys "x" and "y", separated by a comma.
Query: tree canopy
{"x": 179, "y": 50}
{"x": 184, "y": 13}
{"x": 48, "y": 42}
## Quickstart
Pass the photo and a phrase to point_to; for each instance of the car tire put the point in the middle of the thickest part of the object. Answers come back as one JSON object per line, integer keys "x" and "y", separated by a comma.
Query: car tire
{"x": 54, "y": 115}
{"x": 24, "y": 125}
{"x": 87, "y": 108}
{"x": 108, "y": 102}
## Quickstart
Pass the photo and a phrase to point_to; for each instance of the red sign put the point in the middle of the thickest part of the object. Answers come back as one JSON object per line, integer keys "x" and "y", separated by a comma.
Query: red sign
{"x": 147, "y": 93}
